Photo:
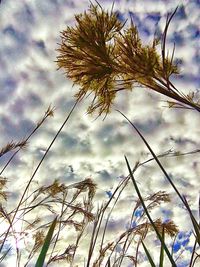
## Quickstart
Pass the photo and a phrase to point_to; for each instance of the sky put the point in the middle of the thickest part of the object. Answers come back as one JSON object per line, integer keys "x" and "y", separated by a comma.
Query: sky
{"x": 90, "y": 147}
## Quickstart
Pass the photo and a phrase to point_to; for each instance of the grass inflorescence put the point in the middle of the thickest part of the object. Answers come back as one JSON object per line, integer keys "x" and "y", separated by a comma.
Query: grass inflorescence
{"x": 52, "y": 222}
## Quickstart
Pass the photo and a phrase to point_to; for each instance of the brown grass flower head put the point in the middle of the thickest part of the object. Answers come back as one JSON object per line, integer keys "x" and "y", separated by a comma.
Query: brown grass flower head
{"x": 88, "y": 58}
{"x": 102, "y": 59}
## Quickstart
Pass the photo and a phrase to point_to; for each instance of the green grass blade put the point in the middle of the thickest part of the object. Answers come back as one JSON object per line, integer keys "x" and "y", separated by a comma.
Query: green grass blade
{"x": 148, "y": 255}
{"x": 149, "y": 217}
{"x": 45, "y": 247}
{"x": 195, "y": 223}
{"x": 155, "y": 157}
{"x": 162, "y": 249}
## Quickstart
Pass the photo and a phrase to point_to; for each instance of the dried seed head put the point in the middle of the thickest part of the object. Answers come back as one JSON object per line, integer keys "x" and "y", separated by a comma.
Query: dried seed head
{"x": 102, "y": 60}
{"x": 169, "y": 227}
{"x": 86, "y": 54}
{"x": 39, "y": 240}
{"x": 138, "y": 62}
{"x": 54, "y": 189}
{"x": 12, "y": 146}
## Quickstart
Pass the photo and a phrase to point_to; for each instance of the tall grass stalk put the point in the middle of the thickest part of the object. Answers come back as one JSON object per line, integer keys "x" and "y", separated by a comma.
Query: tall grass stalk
{"x": 102, "y": 57}
{"x": 182, "y": 198}
{"x": 36, "y": 169}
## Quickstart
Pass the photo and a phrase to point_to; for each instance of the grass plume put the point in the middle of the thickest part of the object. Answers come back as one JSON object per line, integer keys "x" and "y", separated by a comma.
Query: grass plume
{"x": 102, "y": 56}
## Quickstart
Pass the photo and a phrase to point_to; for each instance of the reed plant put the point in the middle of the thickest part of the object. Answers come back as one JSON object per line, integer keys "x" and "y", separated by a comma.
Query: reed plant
{"x": 102, "y": 56}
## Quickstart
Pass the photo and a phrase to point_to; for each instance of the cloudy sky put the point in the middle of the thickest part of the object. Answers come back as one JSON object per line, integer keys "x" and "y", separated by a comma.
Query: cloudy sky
{"x": 30, "y": 82}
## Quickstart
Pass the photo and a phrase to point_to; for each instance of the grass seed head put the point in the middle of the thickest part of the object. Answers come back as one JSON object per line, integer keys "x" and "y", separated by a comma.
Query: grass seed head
{"x": 87, "y": 55}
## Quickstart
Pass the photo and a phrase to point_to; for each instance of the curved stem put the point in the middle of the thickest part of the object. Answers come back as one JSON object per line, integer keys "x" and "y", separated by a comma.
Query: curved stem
{"x": 36, "y": 170}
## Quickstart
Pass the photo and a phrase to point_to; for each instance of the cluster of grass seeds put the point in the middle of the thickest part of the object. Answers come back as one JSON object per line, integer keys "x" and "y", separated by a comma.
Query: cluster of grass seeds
{"x": 74, "y": 210}
{"x": 103, "y": 58}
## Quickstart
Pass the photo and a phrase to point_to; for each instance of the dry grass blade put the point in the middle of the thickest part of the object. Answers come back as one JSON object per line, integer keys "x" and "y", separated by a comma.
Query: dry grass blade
{"x": 43, "y": 200}
{"x": 103, "y": 58}
{"x": 165, "y": 61}
{"x": 36, "y": 170}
